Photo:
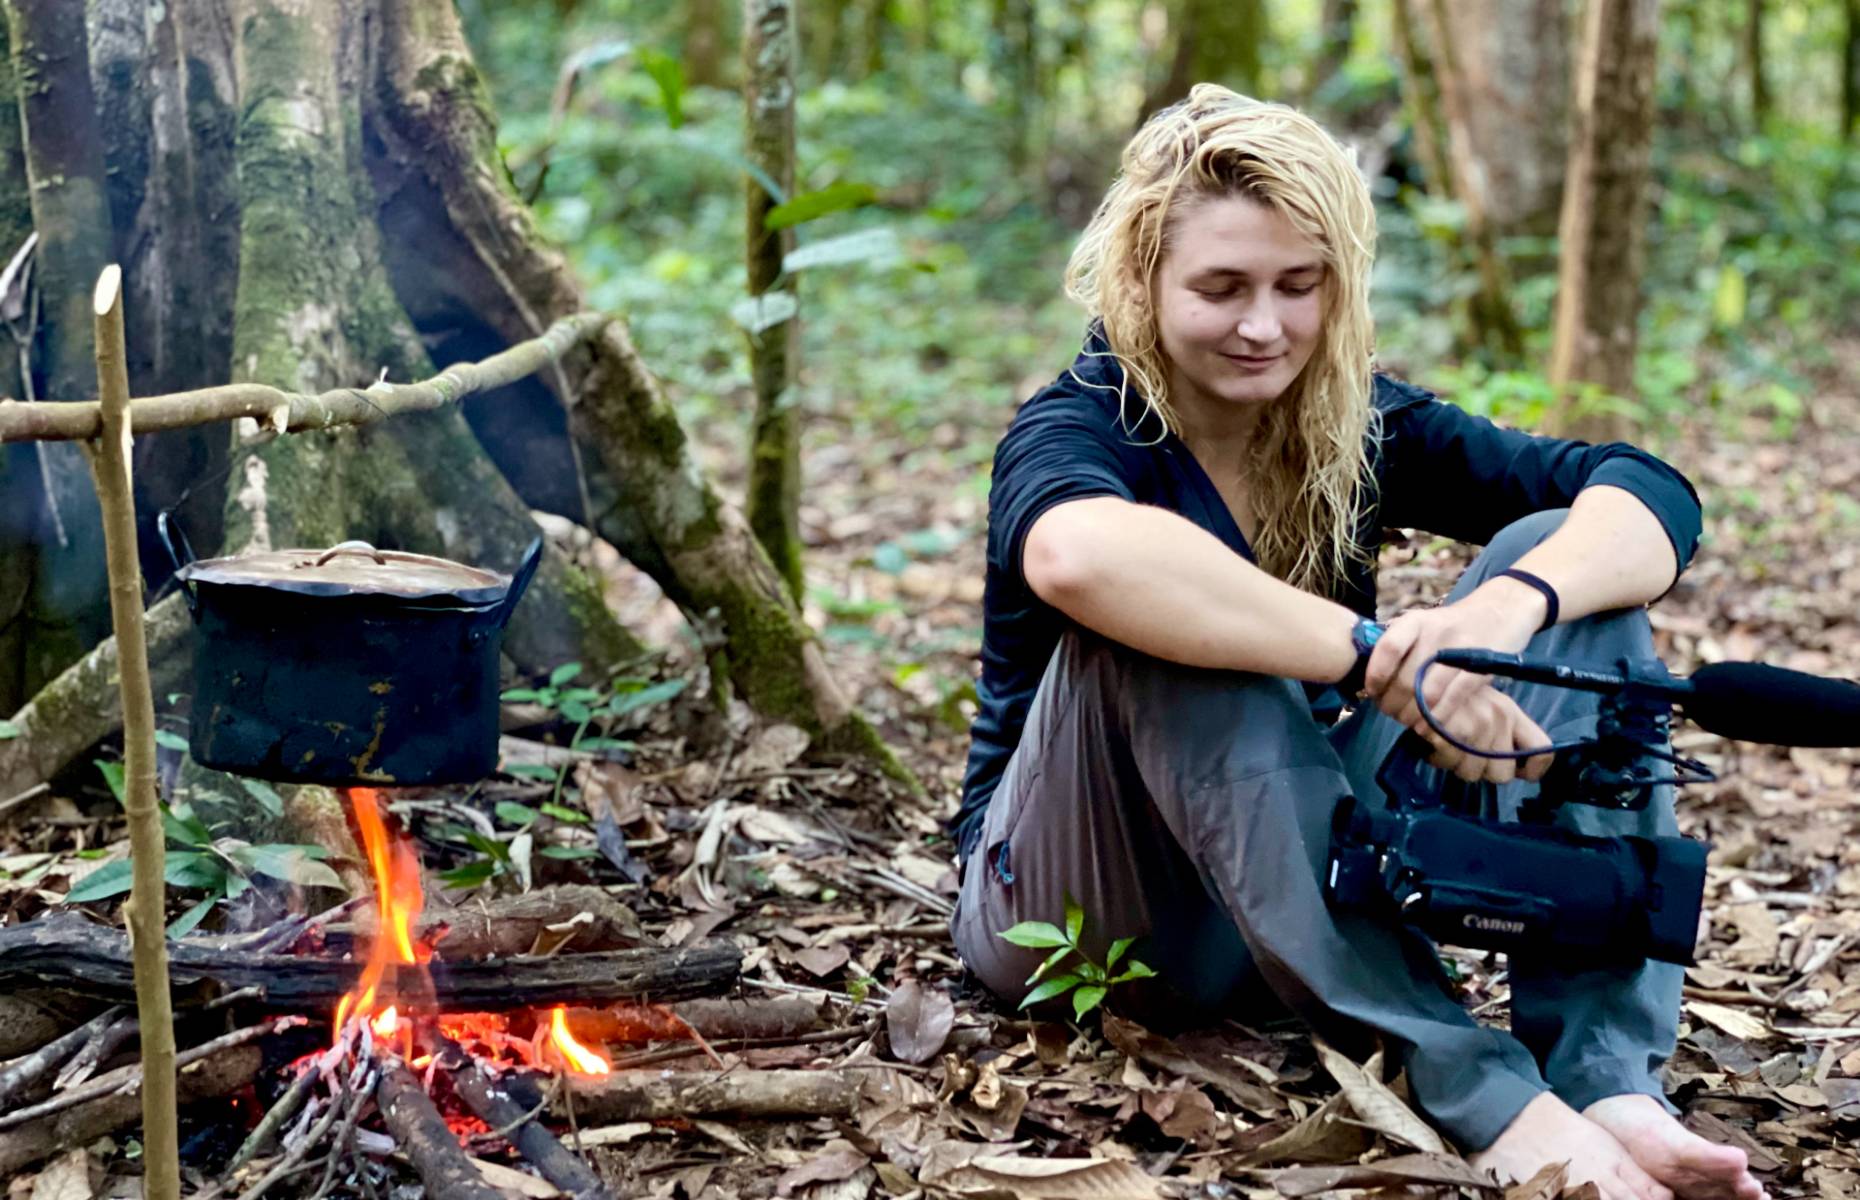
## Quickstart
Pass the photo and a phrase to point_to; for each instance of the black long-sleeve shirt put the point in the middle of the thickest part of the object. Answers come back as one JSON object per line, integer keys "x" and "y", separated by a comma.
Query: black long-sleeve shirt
{"x": 1435, "y": 466}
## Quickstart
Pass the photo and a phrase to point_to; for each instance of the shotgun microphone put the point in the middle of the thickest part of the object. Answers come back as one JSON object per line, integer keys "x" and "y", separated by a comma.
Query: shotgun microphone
{"x": 1746, "y": 701}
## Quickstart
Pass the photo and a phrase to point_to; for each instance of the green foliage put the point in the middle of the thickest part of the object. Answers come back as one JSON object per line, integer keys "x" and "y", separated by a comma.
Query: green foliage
{"x": 1088, "y": 982}
{"x": 198, "y": 859}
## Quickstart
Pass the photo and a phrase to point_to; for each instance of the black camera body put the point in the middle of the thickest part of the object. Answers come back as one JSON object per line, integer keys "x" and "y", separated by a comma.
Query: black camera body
{"x": 1437, "y": 860}
{"x": 1537, "y": 890}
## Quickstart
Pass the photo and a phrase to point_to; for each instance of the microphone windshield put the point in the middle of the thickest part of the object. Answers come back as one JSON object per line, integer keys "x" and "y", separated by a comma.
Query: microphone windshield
{"x": 1752, "y": 702}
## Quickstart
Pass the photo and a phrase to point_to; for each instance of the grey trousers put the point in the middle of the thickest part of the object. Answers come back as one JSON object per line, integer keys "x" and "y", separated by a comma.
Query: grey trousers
{"x": 1191, "y": 808}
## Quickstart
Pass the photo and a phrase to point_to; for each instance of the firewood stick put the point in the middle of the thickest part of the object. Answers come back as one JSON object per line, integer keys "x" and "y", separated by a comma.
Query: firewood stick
{"x": 274, "y": 1119}
{"x": 293, "y": 1159}
{"x": 667, "y": 1054}
{"x": 129, "y": 1079}
{"x": 109, "y": 463}
{"x": 410, "y": 1116}
{"x": 105, "y": 1113}
{"x": 100, "y": 1047}
{"x": 20, "y": 1074}
{"x": 353, "y": 1112}
{"x": 657, "y": 1095}
{"x": 502, "y": 1112}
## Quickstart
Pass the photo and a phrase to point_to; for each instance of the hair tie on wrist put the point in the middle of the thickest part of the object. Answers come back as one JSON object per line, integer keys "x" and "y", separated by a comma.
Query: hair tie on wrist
{"x": 1549, "y": 593}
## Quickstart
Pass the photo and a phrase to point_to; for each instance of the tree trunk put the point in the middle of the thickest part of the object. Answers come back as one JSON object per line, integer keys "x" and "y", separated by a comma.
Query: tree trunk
{"x": 704, "y": 43}
{"x": 774, "y": 499}
{"x": 1494, "y": 324}
{"x": 1512, "y": 73}
{"x": 1603, "y": 228}
{"x": 363, "y": 188}
{"x": 442, "y": 190}
{"x": 69, "y": 606}
{"x": 315, "y": 310}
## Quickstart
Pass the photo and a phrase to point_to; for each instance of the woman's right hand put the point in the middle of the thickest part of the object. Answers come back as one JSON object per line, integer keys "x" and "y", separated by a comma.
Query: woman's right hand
{"x": 1488, "y": 720}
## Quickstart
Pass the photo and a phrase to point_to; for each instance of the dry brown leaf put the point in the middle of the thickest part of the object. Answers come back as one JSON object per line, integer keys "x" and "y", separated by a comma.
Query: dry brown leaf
{"x": 830, "y": 1166}
{"x": 1547, "y": 1184}
{"x": 1138, "y": 1042}
{"x": 1181, "y": 1112}
{"x": 1378, "y": 1107}
{"x": 772, "y": 749}
{"x": 68, "y": 1178}
{"x": 1044, "y": 1178}
{"x": 1320, "y": 1138}
{"x": 918, "y": 1020}
{"x": 1441, "y": 1169}
{"x": 1734, "y": 1021}
{"x": 822, "y": 961}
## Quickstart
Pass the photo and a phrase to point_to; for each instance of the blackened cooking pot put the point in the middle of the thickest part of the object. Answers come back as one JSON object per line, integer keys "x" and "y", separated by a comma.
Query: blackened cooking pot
{"x": 350, "y": 665}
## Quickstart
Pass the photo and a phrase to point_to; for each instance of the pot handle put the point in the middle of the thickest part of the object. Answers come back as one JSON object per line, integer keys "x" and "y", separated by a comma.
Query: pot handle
{"x": 351, "y": 548}
{"x": 169, "y": 531}
{"x": 519, "y": 582}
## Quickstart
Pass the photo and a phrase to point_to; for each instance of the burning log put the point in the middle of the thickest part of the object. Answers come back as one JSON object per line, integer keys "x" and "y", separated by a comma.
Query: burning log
{"x": 515, "y": 1119}
{"x": 416, "y": 1124}
{"x": 115, "y": 1108}
{"x": 658, "y": 1095}
{"x": 74, "y": 955}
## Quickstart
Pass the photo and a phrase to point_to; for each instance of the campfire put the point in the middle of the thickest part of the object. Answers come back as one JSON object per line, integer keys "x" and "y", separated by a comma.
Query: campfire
{"x": 438, "y": 1047}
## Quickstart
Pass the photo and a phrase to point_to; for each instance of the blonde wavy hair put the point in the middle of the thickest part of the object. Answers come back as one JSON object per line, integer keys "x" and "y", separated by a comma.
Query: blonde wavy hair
{"x": 1309, "y": 464}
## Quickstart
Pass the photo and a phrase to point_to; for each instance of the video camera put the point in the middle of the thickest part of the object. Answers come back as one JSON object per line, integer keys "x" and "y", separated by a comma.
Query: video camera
{"x": 1439, "y": 859}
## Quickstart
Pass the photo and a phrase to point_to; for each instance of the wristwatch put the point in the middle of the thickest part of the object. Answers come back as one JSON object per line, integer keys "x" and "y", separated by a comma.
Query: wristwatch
{"x": 1363, "y": 638}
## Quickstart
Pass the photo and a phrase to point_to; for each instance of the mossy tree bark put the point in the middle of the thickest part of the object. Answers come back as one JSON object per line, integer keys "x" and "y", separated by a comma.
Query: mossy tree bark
{"x": 315, "y": 309}
{"x": 774, "y": 500}
{"x": 375, "y": 225}
{"x": 433, "y": 152}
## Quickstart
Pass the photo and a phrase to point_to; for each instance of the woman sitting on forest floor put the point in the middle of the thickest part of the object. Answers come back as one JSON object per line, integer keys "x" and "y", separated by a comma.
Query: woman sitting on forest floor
{"x": 1182, "y": 529}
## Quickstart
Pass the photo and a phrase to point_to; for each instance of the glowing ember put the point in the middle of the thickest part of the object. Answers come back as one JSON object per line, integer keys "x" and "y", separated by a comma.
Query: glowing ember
{"x": 398, "y": 901}
{"x": 579, "y": 1058}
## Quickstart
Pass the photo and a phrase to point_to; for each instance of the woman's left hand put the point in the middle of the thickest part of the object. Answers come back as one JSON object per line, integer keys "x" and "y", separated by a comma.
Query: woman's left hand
{"x": 1499, "y": 615}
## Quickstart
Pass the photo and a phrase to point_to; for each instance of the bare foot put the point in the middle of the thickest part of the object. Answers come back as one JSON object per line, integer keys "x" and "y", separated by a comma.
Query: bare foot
{"x": 1550, "y": 1131}
{"x": 1682, "y": 1160}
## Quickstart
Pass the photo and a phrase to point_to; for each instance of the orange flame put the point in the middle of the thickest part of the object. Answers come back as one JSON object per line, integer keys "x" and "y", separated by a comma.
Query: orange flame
{"x": 399, "y": 899}
{"x": 579, "y": 1058}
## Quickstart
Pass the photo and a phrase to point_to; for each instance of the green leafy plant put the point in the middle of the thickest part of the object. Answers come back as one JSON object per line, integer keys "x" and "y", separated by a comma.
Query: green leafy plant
{"x": 1088, "y": 982}
{"x": 197, "y": 858}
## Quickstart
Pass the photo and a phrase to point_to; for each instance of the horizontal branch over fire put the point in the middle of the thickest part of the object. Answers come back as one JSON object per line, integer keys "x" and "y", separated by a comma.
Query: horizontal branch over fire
{"x": 73, "y": 954}
{"x": 290, "y": 412}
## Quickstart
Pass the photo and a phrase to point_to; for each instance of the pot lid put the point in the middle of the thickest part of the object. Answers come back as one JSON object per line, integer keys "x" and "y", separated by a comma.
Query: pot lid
{"x": 353, "y": 568}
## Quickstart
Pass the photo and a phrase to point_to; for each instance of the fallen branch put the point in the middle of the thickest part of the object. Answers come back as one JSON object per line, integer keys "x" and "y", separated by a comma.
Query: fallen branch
{"x": 19, "y": 1076}
{"x": 75, "y": 955}
{"x": 129, "y": 1079}
{"x": 24, "y": 1144}
{"x": 416, "y": 1124}
{"x": 290, "y": 412}
{"x": 659, "y": 1095}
